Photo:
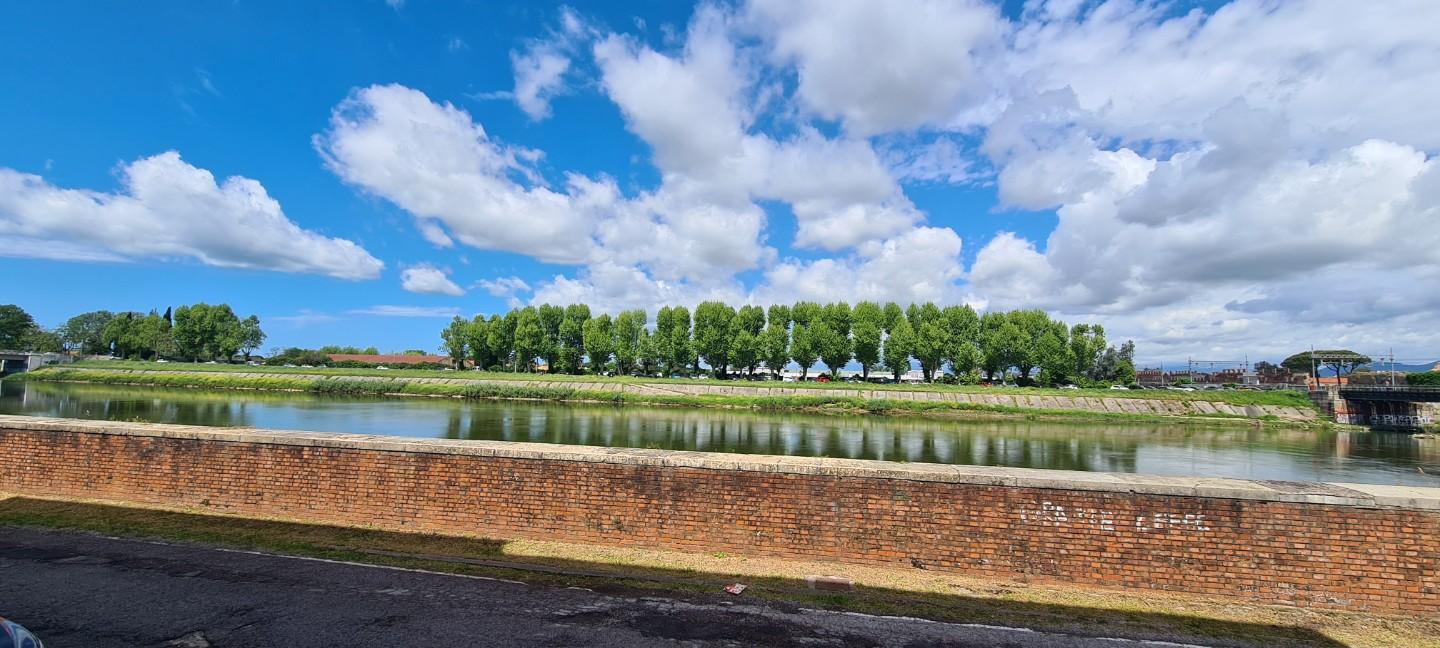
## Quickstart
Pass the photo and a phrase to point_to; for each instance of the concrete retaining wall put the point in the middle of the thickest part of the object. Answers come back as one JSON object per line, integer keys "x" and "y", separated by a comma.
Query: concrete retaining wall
{"x": 1358, "y": 547}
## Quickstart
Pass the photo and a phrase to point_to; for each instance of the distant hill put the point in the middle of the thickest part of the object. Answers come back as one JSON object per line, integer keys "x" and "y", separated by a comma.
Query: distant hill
{"x": 1400, "y": 366}
{"x": 1385, "y": 366}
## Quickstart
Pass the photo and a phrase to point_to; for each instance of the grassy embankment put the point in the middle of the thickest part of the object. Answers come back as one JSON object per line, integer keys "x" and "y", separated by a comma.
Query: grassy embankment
{"x": 1283, "y": 397}
{"x": 628, "y": 571}
{"x": 581, "y": 389}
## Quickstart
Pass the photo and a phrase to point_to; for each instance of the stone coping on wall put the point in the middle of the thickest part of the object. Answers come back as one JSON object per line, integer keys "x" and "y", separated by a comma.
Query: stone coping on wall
{"x": 1338, "y": 494}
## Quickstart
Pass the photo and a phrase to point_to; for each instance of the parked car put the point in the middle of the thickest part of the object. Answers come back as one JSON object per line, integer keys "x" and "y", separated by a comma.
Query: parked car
{"x": 14, "y": 635}
{"x": 1069, "y": 387}
{"x": 1119, "y": 388}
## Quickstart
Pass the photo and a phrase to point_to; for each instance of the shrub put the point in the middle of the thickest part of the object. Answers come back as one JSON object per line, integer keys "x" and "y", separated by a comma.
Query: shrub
{"x": 1426, "y": 379}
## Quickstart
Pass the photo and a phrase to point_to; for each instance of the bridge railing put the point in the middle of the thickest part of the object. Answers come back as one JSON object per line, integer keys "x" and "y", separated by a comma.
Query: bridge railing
{"x": 1412, "y": 389}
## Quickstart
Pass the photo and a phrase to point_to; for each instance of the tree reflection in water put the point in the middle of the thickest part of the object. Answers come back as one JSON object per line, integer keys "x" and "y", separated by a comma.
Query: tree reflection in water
{"x": 1265, "y": 453}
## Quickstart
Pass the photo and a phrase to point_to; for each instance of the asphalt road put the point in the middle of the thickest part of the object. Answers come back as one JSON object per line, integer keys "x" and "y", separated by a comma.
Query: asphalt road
{"x": 76, "y": 590}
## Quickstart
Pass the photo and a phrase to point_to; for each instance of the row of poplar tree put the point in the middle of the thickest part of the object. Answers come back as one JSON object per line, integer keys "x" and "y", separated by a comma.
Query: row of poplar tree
{"x": 731, "y": 341}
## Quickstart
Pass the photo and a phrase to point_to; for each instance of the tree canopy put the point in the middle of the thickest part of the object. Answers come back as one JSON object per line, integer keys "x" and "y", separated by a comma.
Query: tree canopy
{"x": 1339, "y": 361}
{"x": 739, "y": 341}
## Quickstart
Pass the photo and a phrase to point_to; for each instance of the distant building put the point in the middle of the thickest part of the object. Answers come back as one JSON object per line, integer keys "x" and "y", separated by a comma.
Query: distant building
{"x": 390, "y": 359}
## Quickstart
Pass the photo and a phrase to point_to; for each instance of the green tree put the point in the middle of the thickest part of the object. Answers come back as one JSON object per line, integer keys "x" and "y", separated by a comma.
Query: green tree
{"x": 998, "y": 339}
{"x": 1125, "y": 370}
{"x": 806, "y": 313}
{"x": 745, "y": 345}
{"x": 572, "y": 338}
{"x": 15, "y": 324}
{"x": 1087, "y": 342}
{"x": 679, "y": 349}
{"x": 455, "y": 341}
{"x": 85, "y": 332}
{"x": 529, "y": 340}
{"x": 203, "y": 331}
{"x": 1053, "y": 355}
{"x": 804, "y": 349}
{"x": 664, "y": 341}
{"x": 962, "y": 336}
{"x": 775, "y": 347}
{"x": 931, "y": 338}
{"x": 775, "y": 340}
{"x": 1423, "y": 378}
{"x": 899, "y": 345}
{"x": 867, "y": 333}
{"x": 714, "y": 335}
{"x": 893, "y": 314}
{"x": 39, "y": 340}
{"x": 333, "y": 349}
{"x": 628, "y": 326}
{"x": 116, "y": 334}
{"x": 1339, "y": 361}
{"x": 649, "y": 359}
{"x": 477, "y": 342}
{"x": 832, "y": 336}
{"x": 745, "y": 351}
{"x": 551, "y": 317}
{"x": 501, "y": 338}
{"x": 251, "y": 336}
{"x": 599, "y": 337}
{"x": 1032, "y": 325}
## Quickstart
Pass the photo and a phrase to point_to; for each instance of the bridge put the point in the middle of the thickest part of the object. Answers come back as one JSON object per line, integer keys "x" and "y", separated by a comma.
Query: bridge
{"x": 17, "y": 361}
{"x": 1402, "y": 393}
{"x": 1382, "y": 406}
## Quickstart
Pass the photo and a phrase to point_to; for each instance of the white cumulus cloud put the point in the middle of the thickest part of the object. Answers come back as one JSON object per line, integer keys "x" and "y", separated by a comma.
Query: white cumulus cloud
{"x": 427, "y": 279}
{"x": 166, "y": 208}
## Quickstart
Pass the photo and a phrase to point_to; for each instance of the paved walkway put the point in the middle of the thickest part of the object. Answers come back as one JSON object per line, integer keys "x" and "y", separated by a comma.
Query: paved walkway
{"x": 93, "y": 592}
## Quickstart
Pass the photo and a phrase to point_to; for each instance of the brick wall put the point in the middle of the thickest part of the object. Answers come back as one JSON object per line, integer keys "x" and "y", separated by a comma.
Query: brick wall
{"x": 1360, "y": 548}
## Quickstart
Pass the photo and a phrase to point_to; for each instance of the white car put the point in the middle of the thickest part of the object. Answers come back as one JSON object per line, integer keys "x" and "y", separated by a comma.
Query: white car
{"x": 1069, "y": 387}
{"x": 1119, "y": 388}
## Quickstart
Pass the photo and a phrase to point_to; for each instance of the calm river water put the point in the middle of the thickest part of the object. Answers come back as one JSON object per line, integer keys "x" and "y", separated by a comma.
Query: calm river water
{"x": 1301, "y": 455}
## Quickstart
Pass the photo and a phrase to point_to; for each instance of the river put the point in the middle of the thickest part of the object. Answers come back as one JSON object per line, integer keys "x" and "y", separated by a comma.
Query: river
{"x": 1152, "y": 448}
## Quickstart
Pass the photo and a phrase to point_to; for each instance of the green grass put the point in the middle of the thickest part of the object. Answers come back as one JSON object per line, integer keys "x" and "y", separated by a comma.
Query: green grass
{"x": 400, "y": 386}
{"x": 1285, "y": 397}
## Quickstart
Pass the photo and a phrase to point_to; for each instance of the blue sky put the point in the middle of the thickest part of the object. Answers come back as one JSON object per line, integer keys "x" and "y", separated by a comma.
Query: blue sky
{"x": 1126, "y": 162}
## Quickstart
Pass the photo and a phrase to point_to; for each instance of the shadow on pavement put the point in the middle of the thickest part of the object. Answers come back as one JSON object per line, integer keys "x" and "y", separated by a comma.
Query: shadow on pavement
{"x": 488, "y": 557}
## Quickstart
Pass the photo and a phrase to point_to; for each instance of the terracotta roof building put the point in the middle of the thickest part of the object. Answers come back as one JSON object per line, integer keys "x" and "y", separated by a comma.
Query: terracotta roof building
{"x": 389, "y": 359}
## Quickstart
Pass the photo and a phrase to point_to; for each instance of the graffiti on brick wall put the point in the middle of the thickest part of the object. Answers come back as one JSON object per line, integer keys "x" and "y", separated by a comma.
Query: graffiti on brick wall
{"x": 1056, "y": 515}
{"x": 1397, "y": 420}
